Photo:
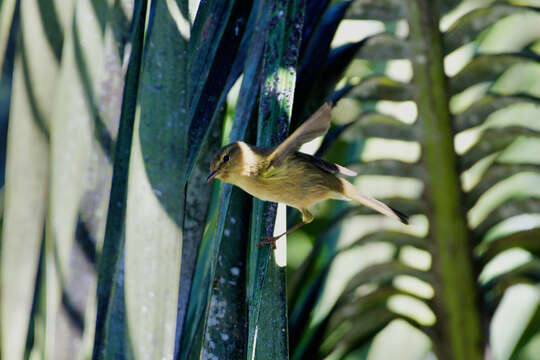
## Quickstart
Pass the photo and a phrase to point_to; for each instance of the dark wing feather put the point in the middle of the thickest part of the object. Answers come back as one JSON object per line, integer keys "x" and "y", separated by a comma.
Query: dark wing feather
{"x": 317, "y": 125}
{"x": 325, "y": 165}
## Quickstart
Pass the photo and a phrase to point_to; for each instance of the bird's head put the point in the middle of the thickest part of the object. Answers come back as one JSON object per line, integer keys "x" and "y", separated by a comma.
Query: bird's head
{"x": 227, "y": 163}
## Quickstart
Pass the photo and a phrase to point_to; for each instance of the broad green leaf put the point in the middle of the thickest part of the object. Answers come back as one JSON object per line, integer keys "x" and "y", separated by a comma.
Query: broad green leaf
{"x": 382, "y": 273}
{"x": 214, "y": 90}
{"x": 493, "y": 175}
{"x": 524, "y": 273}
{"x": 155, "y": 198}
{"x": 380, "y": 88}
{"x": 511, "y": 207}
{"x": 388, "y": 167}
{"x": 226, "y": 330}
{"x": 218, "y": 81}
{"x": 316, "y": 51}
{"x": 314, "y": 11}
{"x": 26, "y": 184}
{"x": 313, "y": 61}
{"x": 515, "y": 321}
{"x": 355, "y": 332}
{"x": 325, "y": 81}
{"x": 198, "y": 198}
{"x": 82, "y": 134}
{"x": 491, "y": 141}
{"x": 7, "y": 11}
{"x": 400, "y": 340}
{"x": 384, "y": 46}
{"x": 385, "y": 10}
{"x": 110, "y": 340}
{"x": 500, "y": 38}
{"x": 209, "y": 26}
{"x": 393, "y": 237}
{"x": 526, "y": 239}
{"x": 482, "y": 108}
{"x": 267, "y": 305}
{"x": 195, "y": 331}
{"x": 516, "y": 80}
{"x": 467, "y": 27}
{"x": 226, "y": 300}
{"x": 381, "y": 126}
{"x": 486, "y": 68}
{"x": 197, "y": 312}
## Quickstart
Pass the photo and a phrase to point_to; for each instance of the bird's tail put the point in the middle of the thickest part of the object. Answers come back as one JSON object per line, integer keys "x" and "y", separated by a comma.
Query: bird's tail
{"x": 351, "y": 192}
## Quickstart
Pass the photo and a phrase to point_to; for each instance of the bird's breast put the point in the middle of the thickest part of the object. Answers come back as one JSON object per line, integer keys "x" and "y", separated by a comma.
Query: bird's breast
{"x": 283, "y": 185}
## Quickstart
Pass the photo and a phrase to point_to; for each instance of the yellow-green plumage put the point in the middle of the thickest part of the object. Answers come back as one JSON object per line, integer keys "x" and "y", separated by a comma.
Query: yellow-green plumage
{"x": 283, "y": 175}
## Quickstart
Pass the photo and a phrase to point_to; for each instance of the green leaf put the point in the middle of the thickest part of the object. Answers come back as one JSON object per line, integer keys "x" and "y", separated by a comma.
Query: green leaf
{"x": 27, "y": 170}
{"x": 355, "y": 332}
{"x": 308, "y": 99}
{"x": 388, "y": 167}
{"x": 470, "y": 25}
{"x": 209, "y": 27}
{"x": 480, "y": 110}
{"x": 495, "y": 288}
{"x": 501, "y": 37}
{"x": 209, "y": 90}
{"x": 313, "y": 60}
{"x": 195, "y": 332}
{"x": 110, "y": 339}
{"x": 382, "y": 126}
{"x": 493, "y": 175}
{"x": 314, "y": 12}
{"x": 7, "y": 13}
{"x": 267, "y": 305}
{"x": 486, "y": 68}
{"x": 156, "y": 179}
{"x": 392, "y": 237}
{"x": 204, "y": 274}
{"x": 509, "y": 208}
{"x": 384, "y": 10}
{"x": 223, "y": 72}
{"x": 525, "y": 239}
{"x": 491, "y": 141}
{"x": 80, "y": 158}
{"x": 381, "y": 88}
{"x": 381, "y": 273}
{"x": 225, "y": 331}
{"x": 531, "y": 330}
{"x": 384, "y": 46}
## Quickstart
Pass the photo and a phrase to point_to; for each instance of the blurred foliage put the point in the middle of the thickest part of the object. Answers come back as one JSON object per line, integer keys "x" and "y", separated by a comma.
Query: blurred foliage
{"x": 113, "y": 245}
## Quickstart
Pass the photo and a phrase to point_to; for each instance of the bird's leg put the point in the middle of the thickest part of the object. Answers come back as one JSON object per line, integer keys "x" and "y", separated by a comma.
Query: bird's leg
{"x": 272, "y": 239}
{"x": 307, "y": 217}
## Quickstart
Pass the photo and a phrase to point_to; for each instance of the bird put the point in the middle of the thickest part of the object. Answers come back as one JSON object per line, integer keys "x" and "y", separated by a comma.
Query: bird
{"x": 282, "y": 174}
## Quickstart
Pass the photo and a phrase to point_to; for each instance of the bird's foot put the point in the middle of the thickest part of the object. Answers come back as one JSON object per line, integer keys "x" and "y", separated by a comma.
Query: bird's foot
{"x": 268, "y": 240}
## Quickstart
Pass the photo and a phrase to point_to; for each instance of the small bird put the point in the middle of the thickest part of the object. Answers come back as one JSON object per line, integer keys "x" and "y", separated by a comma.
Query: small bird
{"x": 284, "y": 175}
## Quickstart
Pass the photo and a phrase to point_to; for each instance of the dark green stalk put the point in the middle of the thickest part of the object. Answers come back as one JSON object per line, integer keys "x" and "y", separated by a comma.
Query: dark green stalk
{"x": 456, "y": 297}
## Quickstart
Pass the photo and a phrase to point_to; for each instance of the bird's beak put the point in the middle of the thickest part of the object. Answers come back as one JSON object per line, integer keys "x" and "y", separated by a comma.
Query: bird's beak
{"x": 211, "y": 176}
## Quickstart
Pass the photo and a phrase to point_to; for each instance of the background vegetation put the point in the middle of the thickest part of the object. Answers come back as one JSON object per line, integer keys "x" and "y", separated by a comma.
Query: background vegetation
{"x": 113, "y": 246}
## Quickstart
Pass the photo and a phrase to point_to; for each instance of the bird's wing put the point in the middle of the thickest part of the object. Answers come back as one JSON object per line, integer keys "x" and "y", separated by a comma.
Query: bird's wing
{"x": 317, "y": 125}
{"x": 326, "y": 166}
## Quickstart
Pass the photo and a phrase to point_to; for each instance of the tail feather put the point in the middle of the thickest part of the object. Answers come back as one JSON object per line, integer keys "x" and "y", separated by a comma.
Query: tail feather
{"x": 404, "y": 218}
{"x": 352, "y": 192}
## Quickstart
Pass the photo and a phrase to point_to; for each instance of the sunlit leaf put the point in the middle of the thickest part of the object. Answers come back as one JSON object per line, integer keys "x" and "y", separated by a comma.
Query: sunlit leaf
{"x": 386, "y": 10}
{"x": 26, "y": 184}
{"x": 157, "y": 166}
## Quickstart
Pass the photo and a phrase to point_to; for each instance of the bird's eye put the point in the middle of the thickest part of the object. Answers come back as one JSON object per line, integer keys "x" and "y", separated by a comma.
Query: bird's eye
{"x": 226, "y": 158}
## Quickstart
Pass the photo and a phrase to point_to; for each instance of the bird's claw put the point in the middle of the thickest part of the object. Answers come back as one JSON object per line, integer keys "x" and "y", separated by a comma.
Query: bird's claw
{"x": 268, "y": 240}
